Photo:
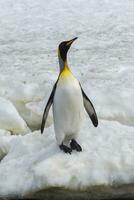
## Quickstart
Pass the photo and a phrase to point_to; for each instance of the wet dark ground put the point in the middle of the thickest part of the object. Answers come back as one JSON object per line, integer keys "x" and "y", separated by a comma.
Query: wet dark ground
{"x": 123, "y": 192}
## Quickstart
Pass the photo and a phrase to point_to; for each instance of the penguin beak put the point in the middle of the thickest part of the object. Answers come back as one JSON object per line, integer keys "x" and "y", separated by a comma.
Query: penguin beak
{"x": 71, "y": 41}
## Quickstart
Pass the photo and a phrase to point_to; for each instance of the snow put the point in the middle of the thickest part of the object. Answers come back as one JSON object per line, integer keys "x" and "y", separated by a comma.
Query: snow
{"x": 22, "y": 95}
{"x": 5, "y": 138}
{"x": 102, "y": 59}
{"x": 10, "y": 119}
{"x": 107, "y": 158}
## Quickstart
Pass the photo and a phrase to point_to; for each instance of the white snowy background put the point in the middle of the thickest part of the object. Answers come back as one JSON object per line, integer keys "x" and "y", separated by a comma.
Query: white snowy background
{"x": 103, "y": 61}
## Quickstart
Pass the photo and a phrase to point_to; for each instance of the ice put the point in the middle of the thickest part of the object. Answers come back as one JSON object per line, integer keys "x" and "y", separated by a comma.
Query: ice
{"x": 114, "y": 104}
{"x": 5, "y": 138}
{"x": 37, "y": 109}
{"x": 107, "y": 159}
{"x": 10, "y": 119}
{"x": 26, "y": 96}
{"x": 103, "y": 61}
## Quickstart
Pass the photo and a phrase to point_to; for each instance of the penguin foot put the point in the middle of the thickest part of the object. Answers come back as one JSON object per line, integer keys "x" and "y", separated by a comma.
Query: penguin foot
{"x": 65, "y": 148}
{"x": 75, "y": 146}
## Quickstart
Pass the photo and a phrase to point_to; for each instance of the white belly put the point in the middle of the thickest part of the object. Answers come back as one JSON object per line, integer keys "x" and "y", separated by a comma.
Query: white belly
{"x": 67, "y": 109}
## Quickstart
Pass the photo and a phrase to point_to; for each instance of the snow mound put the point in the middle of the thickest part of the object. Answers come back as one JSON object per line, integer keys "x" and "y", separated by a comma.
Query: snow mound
{"x": 19, "y": 90}
{"x": 107, "y": 158}
{"x": 28, "y": 98}
{"x": 10, "y": 119}
{"x": 37, "y": 109}
{"x": 5, "y": 138}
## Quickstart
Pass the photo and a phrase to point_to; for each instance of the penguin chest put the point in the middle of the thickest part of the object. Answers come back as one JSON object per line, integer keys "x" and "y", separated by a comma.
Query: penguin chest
{"x": 68, "y": 105}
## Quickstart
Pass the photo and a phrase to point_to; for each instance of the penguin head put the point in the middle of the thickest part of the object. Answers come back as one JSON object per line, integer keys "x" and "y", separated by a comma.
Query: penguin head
{"x": 63, "y": 49}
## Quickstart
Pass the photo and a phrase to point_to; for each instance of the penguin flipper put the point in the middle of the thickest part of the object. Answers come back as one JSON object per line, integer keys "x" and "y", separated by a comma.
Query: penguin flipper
{"x": 90, "y": 108}
{"x": 49, "y": 103}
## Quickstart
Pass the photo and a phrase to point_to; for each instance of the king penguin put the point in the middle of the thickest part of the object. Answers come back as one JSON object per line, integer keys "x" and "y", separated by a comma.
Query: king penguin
{"x": 68, "y": 99}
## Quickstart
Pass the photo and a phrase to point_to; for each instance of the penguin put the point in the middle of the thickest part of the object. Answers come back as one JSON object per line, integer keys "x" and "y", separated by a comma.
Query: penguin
{"x": 68, "y": 99}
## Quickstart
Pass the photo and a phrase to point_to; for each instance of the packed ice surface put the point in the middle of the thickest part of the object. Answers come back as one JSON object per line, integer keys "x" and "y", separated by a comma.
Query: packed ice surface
{"x": 35, "y": 162}
{"x": 103, "y": 61}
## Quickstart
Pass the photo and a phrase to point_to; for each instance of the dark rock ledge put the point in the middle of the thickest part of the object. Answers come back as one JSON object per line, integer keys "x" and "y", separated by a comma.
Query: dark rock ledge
{"x": 123, "y": 192}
